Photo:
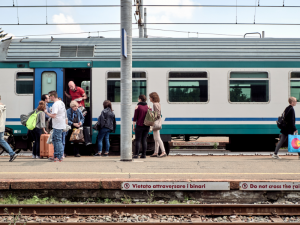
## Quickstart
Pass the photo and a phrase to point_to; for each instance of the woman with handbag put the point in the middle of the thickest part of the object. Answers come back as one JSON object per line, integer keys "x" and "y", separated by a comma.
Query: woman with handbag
{"x": 106, "y": 125}
{"x": 141, "y": 130}
{"x": 39, "y": 129}
{"x": 75, "y": 120}
{"x": 154, "y": 98}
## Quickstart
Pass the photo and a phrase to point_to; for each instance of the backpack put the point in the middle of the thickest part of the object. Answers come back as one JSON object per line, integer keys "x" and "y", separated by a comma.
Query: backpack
{"x": 281, "y": 123}
{"x": 31, "y": 122}
{"x": 150, "y": 118}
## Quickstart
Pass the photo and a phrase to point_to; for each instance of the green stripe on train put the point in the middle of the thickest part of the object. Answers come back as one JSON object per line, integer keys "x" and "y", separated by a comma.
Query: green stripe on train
{"x": 197, "y": 129}
{"x": 162, "y": 64}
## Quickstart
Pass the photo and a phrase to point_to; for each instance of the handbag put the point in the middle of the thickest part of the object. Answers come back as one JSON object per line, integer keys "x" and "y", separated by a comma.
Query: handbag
{"x": 281, "y": 123}
{"x": 294, "y": 143}
{"x": 77, "y": 135}
{"x": 150, "y": 118}
{"x": 96, "y": 126}
{"x": 157, "y": 125}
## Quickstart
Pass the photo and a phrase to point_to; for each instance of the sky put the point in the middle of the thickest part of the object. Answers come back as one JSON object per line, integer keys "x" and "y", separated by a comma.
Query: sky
{"x": 155, "y": 15}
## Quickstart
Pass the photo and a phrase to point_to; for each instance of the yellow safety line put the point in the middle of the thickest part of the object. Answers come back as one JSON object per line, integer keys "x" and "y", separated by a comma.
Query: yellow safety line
{"x": 119, "y": 173}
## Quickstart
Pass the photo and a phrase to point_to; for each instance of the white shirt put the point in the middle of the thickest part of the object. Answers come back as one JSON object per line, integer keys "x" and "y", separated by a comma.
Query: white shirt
{"x": 59, "y": 122}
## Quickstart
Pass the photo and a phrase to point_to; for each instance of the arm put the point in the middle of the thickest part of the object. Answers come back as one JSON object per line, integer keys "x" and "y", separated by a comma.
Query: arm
{"x": 68, "y": 96}
{"x": 136, "y": 115}
{"x": 293, "y": 120}
{"x": 50, "y": 115}
{"x": 81, "y": 117}
{"x": 114, "y": 125}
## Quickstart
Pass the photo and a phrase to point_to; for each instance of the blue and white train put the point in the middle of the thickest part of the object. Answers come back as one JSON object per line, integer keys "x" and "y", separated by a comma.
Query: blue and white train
{"x": 207, "y": 87}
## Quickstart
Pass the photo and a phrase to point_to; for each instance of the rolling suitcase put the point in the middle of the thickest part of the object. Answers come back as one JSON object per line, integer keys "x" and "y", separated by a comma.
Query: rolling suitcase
{"x": 46, "y": 150}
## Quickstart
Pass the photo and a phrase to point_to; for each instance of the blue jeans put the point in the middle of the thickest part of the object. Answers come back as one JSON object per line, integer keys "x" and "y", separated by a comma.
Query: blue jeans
{"x": 5, "y": 145}
{"x": 57, "y": 142}
{"x": 63, "y": 139}
{"x": 103, "y": 133}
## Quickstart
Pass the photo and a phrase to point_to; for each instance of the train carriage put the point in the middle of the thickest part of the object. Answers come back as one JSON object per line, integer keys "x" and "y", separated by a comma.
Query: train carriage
{"x": 208, "y": 87}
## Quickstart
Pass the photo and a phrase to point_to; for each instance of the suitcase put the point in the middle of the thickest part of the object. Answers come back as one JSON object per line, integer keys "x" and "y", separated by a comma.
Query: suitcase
{"x": 46, "y": 150}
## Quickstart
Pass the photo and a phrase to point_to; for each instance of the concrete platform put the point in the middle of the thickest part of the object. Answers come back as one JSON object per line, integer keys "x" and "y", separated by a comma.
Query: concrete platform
{"x": 208, "y": 168}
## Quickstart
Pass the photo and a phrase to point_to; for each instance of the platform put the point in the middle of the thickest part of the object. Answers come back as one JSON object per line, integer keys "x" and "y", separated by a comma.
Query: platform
{"x": 168, "y": 168}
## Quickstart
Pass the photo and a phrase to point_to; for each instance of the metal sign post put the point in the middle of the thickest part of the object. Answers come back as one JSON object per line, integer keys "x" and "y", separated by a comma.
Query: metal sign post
{"x": 126, "y": 80}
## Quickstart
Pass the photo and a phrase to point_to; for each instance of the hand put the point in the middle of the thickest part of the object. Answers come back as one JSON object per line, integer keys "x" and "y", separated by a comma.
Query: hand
{"x": 79, "y": 99}
{"x": 134, "y": 129}
{"x": 296, "y": 132}
{"x": 66, "y": 93}
{"x": 136, "y": 107}
{"x": 45, "y": 111}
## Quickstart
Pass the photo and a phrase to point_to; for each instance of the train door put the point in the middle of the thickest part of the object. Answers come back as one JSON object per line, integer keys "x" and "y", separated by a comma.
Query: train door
{"x": 46, "y": 80}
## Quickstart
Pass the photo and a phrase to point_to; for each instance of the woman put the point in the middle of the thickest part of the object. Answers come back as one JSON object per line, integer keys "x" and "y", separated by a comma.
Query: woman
{"x": 154, "y": 98}
{"x": 75, "y": 120}
{"x": 39, "y": 128}
{"x": 141, "y": 131}
{"x": 107, "y": 124}
{"x": 290, "y": 128}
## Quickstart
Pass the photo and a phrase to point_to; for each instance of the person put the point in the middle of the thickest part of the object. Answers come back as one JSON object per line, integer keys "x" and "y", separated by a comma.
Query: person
{"x": 58, "y": 115}
{"x": 141, "y": 131}
{"x": 75, "y": 120}
{"x": 39, "y": 127}
{"x": 3, "y": 143}
{"x": 64, "y": 134}
{"x": 107, "y": 124}
{"x": 290, "y": 127}
{"x": 45, "y": 98}
{"x": 76, "y": 94}
{"x": 154, "y": 98}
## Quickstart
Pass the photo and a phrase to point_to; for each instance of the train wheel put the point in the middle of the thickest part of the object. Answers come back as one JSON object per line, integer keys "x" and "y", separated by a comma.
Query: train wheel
{"x": 167, "y": 147}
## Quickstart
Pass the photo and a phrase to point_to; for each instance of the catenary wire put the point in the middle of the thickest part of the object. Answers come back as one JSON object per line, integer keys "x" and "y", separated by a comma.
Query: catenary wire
{"x": 254, "y": 11}
{"x": 94, "y": 24}
{"x": 210, "y": 6}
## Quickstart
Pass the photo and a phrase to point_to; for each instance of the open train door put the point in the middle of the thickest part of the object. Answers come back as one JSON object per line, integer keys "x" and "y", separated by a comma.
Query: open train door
{"x": 46, "y": 80}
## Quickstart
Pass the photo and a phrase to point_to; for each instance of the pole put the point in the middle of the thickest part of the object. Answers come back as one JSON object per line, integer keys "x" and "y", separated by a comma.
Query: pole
{"x": 141, "y": 18}
{"x": 145, "y": 23}
{"x": 263, "y": 34}
{"x": 126, "y": 83}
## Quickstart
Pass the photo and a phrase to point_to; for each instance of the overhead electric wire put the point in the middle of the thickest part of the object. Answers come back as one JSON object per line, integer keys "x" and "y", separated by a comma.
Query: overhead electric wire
{"x": 95, "y": 6}
{"x": 254, "y": 12}
{"x": 94, "y": 24}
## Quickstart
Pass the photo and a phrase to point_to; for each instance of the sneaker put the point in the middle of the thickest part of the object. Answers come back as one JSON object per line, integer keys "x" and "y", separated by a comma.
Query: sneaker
{"x": 89, "y": 143}
{"x": 37, "y": 157}
{"x": 56, "y": 160}
{"x": 142, "y": 156}
{"x": 135, "y": 157}
{"x": 98, "y": 154}
{"x": 60, "y": 160}
{"x": 105, "y": 154}
{"x": 33, "y": 156}
{"x": 162, "y": 155}
{"x": 78, "y": 155}
{"x": 13, "y": 157}
{"x": 275, "y": 156}
{"x": 52, "y": 159}
{"x": 1, "y": 152}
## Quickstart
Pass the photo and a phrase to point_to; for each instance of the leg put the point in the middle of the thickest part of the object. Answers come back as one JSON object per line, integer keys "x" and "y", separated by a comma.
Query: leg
{"x": 144, "y": 139}
{"x": 58, "y": 147}
{"x": 33, "y": 135}
{"x": 5, "y": 145}
{"x": 159, "y": 142}
{"x": 101, "y": 135}
{"x": 282, "y": 140}
{"x": 37, "y": 133}
{"x": 76, "y": 149}
{"x": 155, "y": 137}
{"x": 138, "y": 138}
{"x": 106, "y": 137}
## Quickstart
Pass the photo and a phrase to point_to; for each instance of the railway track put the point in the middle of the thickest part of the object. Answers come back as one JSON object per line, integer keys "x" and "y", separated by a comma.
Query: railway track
{"x": 141, "y": 214}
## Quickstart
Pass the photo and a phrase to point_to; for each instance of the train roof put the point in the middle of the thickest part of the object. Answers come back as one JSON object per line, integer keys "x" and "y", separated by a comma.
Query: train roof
{"x": 151, "y": 49}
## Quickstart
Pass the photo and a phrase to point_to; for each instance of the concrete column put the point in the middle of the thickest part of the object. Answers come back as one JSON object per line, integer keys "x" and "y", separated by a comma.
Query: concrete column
{"x": 126, "y": 83}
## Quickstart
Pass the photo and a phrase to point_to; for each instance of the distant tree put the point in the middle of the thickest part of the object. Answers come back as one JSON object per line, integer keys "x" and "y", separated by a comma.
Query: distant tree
{"x": 3, "y": 36}
{"x": 236, "y": 95}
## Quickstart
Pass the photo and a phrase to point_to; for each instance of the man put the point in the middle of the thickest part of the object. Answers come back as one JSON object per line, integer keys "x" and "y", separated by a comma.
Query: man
{"x": 76, "y": 93}
{"x": 45, "y": 98}
{"x": 290, "y": 128}
{"x": 58, "y": 116}
{"x": 3, "y": 143}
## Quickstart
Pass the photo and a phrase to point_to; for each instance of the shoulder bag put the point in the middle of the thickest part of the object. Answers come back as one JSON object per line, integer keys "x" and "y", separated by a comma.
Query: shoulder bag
{"x": 150, "y": 118}
{"x": 157, "y": 124}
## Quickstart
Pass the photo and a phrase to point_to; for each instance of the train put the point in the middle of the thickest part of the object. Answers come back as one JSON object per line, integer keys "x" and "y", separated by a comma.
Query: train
{"x": 234, "y": 87}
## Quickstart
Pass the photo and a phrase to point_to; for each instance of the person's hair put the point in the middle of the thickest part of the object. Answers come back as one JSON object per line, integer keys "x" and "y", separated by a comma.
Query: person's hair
{"x": 291, "y": 99}
{"x": 44, "y": 97}
{"x": 60, "y": 99}
{"x": 154, "y": 97}
{"x": 53, "y": 93}
{"x": 107, "y": 104}
{"x": 42, "y": 106}
{"x": 143, "y": 98}
{"x": 73, "y": 103}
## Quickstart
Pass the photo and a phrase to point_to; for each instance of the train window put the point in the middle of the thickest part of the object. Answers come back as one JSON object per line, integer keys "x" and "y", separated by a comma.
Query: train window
{"x": 249, "y": 87}
{"x": 24, "y": 83}
{"x": 295, "y": 85}
{"x": 85, "y": 85}
{"x": 139, "y": 86}
{"x": 188, "y": 87}
{"x": 48, "y": 82}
